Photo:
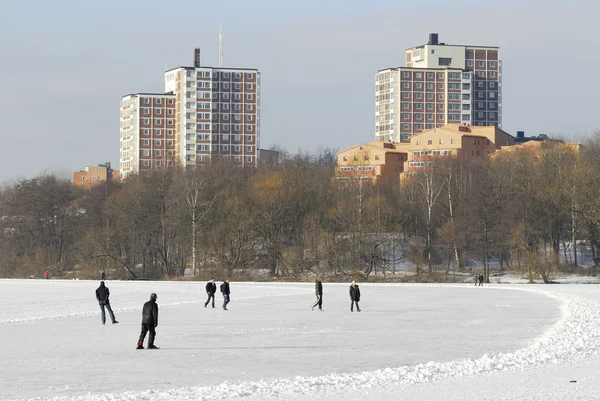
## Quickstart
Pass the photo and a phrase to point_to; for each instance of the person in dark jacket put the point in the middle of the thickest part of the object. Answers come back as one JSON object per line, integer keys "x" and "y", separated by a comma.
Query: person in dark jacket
{"x": 211, "y": 288}
{"x": 480, "y": 279}
{"x": 318, "y": 293}
{"x": 225, "y": 291}
{"x": 476, "y": 279}
{"x": 354, "y": 297}
{"x": 102, "y": 294}
{"x": 149, "y": 322}
{"x": 103, "y": 275}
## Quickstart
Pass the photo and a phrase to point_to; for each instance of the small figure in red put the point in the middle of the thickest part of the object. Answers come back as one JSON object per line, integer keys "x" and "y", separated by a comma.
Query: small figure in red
{"x": 46, "y": 275}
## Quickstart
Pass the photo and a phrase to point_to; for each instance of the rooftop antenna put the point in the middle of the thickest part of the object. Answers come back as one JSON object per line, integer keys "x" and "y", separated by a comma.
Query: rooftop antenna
{"x": 220, "y": 46}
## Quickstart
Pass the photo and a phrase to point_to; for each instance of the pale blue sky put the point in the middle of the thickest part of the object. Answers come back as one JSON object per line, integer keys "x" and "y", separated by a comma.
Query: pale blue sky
{"x": 69, "y": 63}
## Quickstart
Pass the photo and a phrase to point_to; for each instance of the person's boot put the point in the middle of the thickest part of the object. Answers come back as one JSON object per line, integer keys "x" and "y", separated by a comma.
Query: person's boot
{"x": 115, "y": 322}
{"x": 152, "y": 346}
{"x": 140, "y": 345}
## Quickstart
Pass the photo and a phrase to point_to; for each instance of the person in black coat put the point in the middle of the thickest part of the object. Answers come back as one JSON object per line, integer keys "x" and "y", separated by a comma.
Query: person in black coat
{"x": 211, "y": 288}
{"x": 318, "y": 293}
{"x": 481, "y": 279}
{"x": 103, "y": 276}
{"x": 102, "y": 294}
{"x": 354, "y": 296}
{"x": 149, "y": 322}
{"x": 225, "y": 291}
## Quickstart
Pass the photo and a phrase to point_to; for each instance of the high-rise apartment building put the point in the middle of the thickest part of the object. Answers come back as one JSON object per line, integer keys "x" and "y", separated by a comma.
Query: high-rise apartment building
{"x": 148, "y": 136}
{"x": 206, "y": 114}
{"x": 441, "y": 84}
{"x": 217, "y": 113}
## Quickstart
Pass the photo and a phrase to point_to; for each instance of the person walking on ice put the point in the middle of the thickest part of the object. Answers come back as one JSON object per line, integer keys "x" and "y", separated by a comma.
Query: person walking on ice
{"x": 149, "y": 323}
{"x": 211, "y": 288}
{"x": 318, "y": 293}
{"x": 225, "y": 291}
{"x": 475, "y": 279}
{"x": 480, "y": 279}
{"x": 354, "y": 297}
{"x": 102, "y": 294}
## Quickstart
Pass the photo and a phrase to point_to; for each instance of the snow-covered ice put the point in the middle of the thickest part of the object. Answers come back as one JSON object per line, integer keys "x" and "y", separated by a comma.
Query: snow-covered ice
{"x": 413, "y": 342}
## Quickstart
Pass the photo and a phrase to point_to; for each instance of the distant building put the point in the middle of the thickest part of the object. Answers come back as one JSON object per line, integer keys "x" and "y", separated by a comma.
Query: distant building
{"x": 462, "y": 141}
{"x": 441, "y": 84}
{"x": 206, "y": 114}
{"x": 95, "y": 175}
{"x": 266, "y": 156}
{"x": 148, "y": 137}
{"x": 537, "y": 148}
{"x": 521, "y": 138}
{"x": 376, "y": 162}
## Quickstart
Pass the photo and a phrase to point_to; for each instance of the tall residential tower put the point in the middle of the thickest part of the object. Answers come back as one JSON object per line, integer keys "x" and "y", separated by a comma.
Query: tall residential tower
{"x": 441, "y": 84}
{"x": 206, "y": 115}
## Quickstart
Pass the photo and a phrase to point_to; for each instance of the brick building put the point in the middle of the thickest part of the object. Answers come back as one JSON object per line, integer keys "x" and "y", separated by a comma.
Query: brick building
{"x": 95, "y": 175}
{"x": 441, "y": 84}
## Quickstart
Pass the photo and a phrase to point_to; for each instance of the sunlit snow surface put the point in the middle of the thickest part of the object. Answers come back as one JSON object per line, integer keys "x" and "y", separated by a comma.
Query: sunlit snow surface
{"x": 413, "y": 342}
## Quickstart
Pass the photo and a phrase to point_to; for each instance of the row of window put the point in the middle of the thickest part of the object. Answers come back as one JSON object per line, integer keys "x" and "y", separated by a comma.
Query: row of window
{"x": 224, "y": 137}
{"x": 224, "y": 75}
{"x": 146, "y": 100}
{"x": 93, "y": 178}
{"x": 157, "y": 163}
{"x": 157, "y": 112}
{"x": 481, "y": 63}
{"x": 207, "y": 157}
{"x": 224, "y": 148}
{"x": 156, "y": 153}
{"x": 224, "y": 85}
{"x": 215, "y": 96}
{"x": 157, "y": 142}
{"x": 358, "y": 168}
{"x": 224, "y": 106}
{"x": 421, "y": 153}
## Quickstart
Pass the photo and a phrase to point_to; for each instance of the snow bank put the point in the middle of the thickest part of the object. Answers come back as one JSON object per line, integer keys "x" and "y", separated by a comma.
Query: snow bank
{"x": 575, "y": 335}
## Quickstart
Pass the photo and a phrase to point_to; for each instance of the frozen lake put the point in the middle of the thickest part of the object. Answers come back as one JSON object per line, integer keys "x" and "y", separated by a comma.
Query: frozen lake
{"x": 53, "y": 344}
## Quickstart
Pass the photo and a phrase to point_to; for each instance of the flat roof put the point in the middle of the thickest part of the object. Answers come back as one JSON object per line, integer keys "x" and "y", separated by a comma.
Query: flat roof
{"x": 213, "y": 68}
{"x": 150, "y": 94}
{"x": 447, "y": 44}
{"x": 422, "y": 69}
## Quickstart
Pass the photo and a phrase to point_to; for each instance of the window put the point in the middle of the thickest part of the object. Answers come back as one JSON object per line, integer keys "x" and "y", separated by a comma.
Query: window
{"x": 249, "y": 75}
{"x": 157, "y": 152}
{"x": 237, "y": 86}
{"x": 249, "y": 97}
{"x": 440, "y": 107}
{"x": 225, "y": 85}
{"x": 248, "y": 118}
{"x": 146, "y": 111}
{"x": 248, "y": 128}
{"x": 249, "y": 158}
{"x": 481, "y": 74}
{"x": 157, "y": 121}
{"x": 417, "y": 116}
{"x": 236, "y": 148}
{"x": 469, "y": 63}
{"x": 225, "y": 75}
{"x": 441, "y": 141}
{"x": 429, "y": 85}
{"x": 430, "y": 142}
{"x": 445, "y": 61}
{"x": 158, "y": 111}
{"x": 405, "y": 127}
{"x": 405, "y": 85}
{"x": 248, "y": 138}
{"x": 225, "y": 148}
{"x": 492, "y": 95}
{"x": 170, "y": 101}
{"x": 405, "y": 116}
{"x": 157, "y": 132}
{"x": 146, "y": 152}
{"x": 170, "y": 112}
{"x": 441, "y": 96}
{"x": 418, "y": 106}
{"x": 418, "y": 75}
{"x": 429, "y": 116}
{"x": 430, "y": 96}
{"x": 481, "y": 63}
{"x": 249, "y": 148}
{"x": 405, "y": 95}
{"x": 405, "y": 106}
{"x": 480, "y": 84}
{"x": 238, "y": 75}
{"x": 453, "y": 141}
{"x": 429, "y": 75}
{"x": 406, "y": 74}
{"x": 440, "y": 86}
{"x": 146, "y": 121}
{"x": 249, "y": 107}
{"x": 146, "y": 100}
{"x": 419, "y": 85}
{"x": 492, "y": 64}
{"x": 418, "y": 95}
{"x": 249, "y": 86}
{"x": 146, "y": 131}
{"x": 441, "y": 117}
{"x": 492, "y": 85}
{"x": 238, "y": 107}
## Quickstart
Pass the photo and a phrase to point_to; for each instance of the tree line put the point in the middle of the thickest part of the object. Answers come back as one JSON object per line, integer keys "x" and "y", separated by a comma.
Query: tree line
{"x": 525, "y": 210}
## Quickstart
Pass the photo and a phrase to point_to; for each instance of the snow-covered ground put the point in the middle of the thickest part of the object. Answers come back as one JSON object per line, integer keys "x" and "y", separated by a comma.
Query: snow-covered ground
{"x": 410, "y": 342}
